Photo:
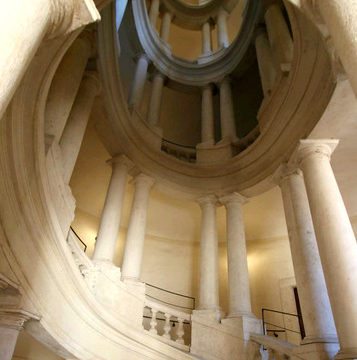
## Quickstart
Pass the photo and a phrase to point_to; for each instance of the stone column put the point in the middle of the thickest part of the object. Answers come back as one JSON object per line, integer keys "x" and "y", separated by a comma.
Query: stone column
{"x": 266, "y": 62}
{"x": 228, "y": 125}
{"x": 279, "y": 36}
{"x": 207, "y": 121}
{"x": 222, "y": 33}
{"x": 11, "y": 323}
{"x": 238, "y": 278}
{"x": 23, "y": 26}
{"x": 155, "y": 99}
{"x": 137, "y": 89}
{"x": 209, "y": 296}
{"x": 75, "y": 128}
{"x": 165, "y": 26}
{"x": 206, "y": 38}
{"x": 340, "y": 17}
{"x": 335, "y": 239}
{"x": 65, "y": 84}
{"x": 110, "y": 221}
{"x": 315, "y": 304}
{"x": 154, "y": 12}
{"x": 135, "y": 237}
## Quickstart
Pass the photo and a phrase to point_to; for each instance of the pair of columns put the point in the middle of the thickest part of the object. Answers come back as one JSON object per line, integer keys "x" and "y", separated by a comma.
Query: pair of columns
{"x": 222, "y": 33}
{"x": 39, "y": 19}
{"x": 319, "y": 228}
{"x": 239, "y": 293}
{"x": 110, "y": 221}
{"x": 228, "y": 126}
{"x": 165, "y": 23}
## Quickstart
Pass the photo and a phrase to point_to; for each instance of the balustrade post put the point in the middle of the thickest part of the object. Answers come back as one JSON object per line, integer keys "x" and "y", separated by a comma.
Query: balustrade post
{"x": 335, "y": 239}
{"x": 222, "y": 32}
{"x": 206, "y": 39}
{"x": 279, "y": 36}
{"x": 165, "y": 26}
{"x": 167, "y": 326}
{"x": 266, "y": 62}
{"x": 137, "y": 89}
{"x": 153, "y": 322}
{"x": 180, "y": 332}
{"x": 154, "y": 12}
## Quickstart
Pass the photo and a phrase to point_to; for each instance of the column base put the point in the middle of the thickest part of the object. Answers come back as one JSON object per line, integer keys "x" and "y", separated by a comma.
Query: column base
{"x": 208, "y": 314}
{"x": 350, "y": 353}
{"x": 317, "y": 351}
{"x": 247, "y": 324}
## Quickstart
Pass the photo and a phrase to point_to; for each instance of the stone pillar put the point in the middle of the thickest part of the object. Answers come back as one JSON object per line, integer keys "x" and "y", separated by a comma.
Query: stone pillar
{"x": 165, "y": 26}
{"x": 11, "y": 323}
{"x": 23, "y": 26}
{"x": 279, "y": 36}
{"x": 206, "y": 38}
{"x": 209, "y": 295}
{"x": 315, "y": 304}
{"x": 340, "y": 17}
{"x": 137, "y": 89}
{"x": 266, "y": 62}
{"x": 110, "y": 221}
{"x": 75, "y": 128}
{"x": 238, "y": 278}
{"x": 222, "y": 33}
{"x": 335, "y": 239}
{"x": 207, "y": 121}
{"x": 65, "y": 84}
{"x": 154, "y": 12}
{"x": 228, "y": 125}
{"x": 135, "y": 237}
{"x": 155, "y": 99}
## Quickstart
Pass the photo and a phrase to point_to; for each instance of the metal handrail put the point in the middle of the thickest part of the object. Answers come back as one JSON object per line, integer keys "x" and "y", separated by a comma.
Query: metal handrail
{"x": 179, "y": 145}
{"x": 167, "y": 303}
{"x": 301, "y": 323}
{"x": 77, "y": 236}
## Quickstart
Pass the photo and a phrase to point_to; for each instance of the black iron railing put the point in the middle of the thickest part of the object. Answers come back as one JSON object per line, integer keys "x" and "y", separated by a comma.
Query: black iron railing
{"x": 278, "y": 328}
{"x": 80, "y": 240}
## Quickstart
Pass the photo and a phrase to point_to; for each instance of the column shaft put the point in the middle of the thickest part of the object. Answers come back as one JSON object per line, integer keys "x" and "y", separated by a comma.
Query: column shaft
{"x": 206, "y": 38}
{"x": 266, "y": 63}
{"x": 335, "y": 238}
{"x": 165, "y": 26}
{"x": 238, "y": 278}
{"x": 155, "y": 100}
{"x": 154, "y": 12}
{"x": 135, "y": 237}
{"x": 75, "y": 128}
{"x": 279, "y": 36}
{"x": 315, "y": 304}
{"x": 110, "y": 221}
{"x": 340, "y": 17}
{"x": 207, "y": 121}
{"x": 222, "y": 29}
{"x": 209, "y": 296}
{"x": 23, "y": 25}
{"x": 65, "y": 84}
{"x": 137, "y": 89}
{"x": 228, "y": 126}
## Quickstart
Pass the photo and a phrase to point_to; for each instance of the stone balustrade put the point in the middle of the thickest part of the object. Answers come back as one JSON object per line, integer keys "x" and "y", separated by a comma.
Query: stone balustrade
{"x": 173, "y": 332}
{"x": 184, "y": 153}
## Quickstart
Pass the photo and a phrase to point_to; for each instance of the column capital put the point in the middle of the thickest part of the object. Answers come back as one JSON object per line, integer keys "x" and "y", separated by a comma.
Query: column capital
{"x": 121, "y": 159}
{"x": 311, "y": 147}
{"x": 143, "y": 179}
{"x": 92, "y": 79}
{"x": 226, "y": 80}
{"x": 222, "y": 12}
{"x": 68, "y": 15}
{"x": 158, "y": 74}
{"x": 284, "y": 171}
{"x": 207, "y": 200}
{"x": 15, "y": 318}
{"x": 233, "y": 198}
{"x": 140, "y": 56}
{"x": 209, "y": 86}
